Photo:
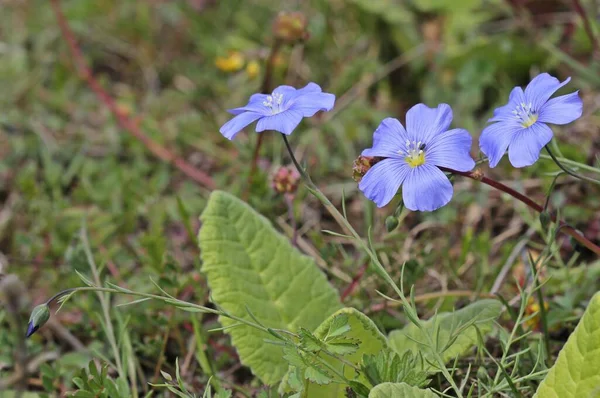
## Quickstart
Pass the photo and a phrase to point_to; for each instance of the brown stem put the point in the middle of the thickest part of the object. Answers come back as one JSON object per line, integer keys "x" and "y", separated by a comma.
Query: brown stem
{"x": 355, "y": 281}
{"x": 266, "y": 87}
{"x": 563, "y": 227}
{"x": 587, "y": 26}
{"x": 123, "y": 120}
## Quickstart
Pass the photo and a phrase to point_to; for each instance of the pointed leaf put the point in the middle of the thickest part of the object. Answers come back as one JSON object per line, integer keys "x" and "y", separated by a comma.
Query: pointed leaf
{"x": 576, "y": 372}
{"x": 448, "y": 331}
{"x": 248, "y": 263}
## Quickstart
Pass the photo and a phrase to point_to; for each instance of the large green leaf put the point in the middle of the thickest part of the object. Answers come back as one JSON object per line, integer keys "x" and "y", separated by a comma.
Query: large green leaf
{"x": 480, "y": 314}
{"x": 576, "y": 372}
{"x": 249, "y": 265}
{"x": 371, "y": 342}
{"x": 400, "y": 390}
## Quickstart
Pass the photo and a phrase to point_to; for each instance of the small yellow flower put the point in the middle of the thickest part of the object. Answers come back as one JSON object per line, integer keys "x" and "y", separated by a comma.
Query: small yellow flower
{"x": 533, "y": 307}
{"x": 253, "y": 69}
{"x": 232, "y": 63}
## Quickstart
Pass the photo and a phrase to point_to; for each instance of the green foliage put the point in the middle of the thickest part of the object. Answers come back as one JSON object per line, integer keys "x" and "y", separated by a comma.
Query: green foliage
{"x": 250, "y": 266}
{"x": 400, "y": 390}
{"x": 351, "y": 335}
{"x": 576, "y": 371}
{"x": 178, "y": 386}
{"x": 454, "y": 332}
{"x": 92, "y": 383}
{"x": 388, "y": 366}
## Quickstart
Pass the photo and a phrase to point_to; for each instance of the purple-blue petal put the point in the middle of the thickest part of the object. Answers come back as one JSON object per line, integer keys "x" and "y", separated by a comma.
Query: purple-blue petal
{"x": 235, "y": 125}
{"x": 388, "y": 139}
{"x": 284, "y": 122}
{"x": 255, "y": 104}
{"x": 423, "y": 123}
{"x": 541, "y": 88}
{"x": 310, "y": 103}
{"x": 524, "y": 149}
{"x": 495, "y": 139}
{"x": 383, "y": 180}
{"x": 451, "y": 149}
{"x": 562, "y": 110}
{"x": 309, "y": 88}
{"x": 426, "y": 188}
{"x": 505, "y": 113}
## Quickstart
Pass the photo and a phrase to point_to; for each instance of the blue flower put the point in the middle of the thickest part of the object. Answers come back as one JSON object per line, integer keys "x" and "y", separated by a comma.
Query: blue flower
{"x": 521, "y": 124}
{"x": 281, "y": 111}
{"x": 413, "y": 157}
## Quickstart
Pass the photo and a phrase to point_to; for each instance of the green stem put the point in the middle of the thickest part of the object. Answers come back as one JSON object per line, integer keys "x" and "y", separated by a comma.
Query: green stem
{"x": 569, "y": 171}
{"x": 166, "y": 300}
{"x": 360, "y": 243}
{"x": 573, "y": 163}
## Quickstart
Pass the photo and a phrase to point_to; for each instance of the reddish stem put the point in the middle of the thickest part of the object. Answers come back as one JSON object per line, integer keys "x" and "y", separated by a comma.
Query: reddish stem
{"x": 124, "y": 121}
{"x": 265, "y": 88}
{"x": 352, "y": 286}
{"x": 586, "y": 25}
{"x": 563, "y": 227}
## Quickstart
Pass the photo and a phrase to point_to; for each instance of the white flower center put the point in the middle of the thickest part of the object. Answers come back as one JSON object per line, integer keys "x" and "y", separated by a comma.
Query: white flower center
{"x": 414, "y": 153}
{"x": 525, "y": 114}
{"x": 274, "y": 102}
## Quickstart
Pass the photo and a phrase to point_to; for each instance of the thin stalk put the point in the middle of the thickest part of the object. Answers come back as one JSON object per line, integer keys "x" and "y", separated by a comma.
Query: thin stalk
{"x": 265, "y": 88}
{"x": 564, "y": 227}
{"x": 360, "y": 243}
{"x": 547, "y": 202}
{"x": 569, "y": 171}
{"x": 168, "y": 300}
{"x": 110, "y": 332}
{"x": 573, "y": 163}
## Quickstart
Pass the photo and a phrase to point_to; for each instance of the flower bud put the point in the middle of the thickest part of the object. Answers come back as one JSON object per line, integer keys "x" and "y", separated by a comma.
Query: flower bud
{"x": 39, "y": 316}
{"x": 285, "y": 180}
{"x": 290, "y": 27}
{"x": 391, "y": 223}
{"x": 545, "y": 219}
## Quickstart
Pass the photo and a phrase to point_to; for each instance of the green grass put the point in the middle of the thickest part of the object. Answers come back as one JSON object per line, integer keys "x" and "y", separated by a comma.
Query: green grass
{"x": 64, "y": 158}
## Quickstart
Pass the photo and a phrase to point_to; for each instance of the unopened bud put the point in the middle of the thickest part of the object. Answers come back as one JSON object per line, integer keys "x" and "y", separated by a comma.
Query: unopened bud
{"x": 285, "y": 180}
{"x": 290, "y": 27}
{"x": 391, "y": 223}
{"x": 39, "y": 316}
{"x": 545, "y": 219}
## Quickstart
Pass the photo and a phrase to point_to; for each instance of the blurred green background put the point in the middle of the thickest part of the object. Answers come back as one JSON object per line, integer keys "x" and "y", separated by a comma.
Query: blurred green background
{"x": 174, "y": 67}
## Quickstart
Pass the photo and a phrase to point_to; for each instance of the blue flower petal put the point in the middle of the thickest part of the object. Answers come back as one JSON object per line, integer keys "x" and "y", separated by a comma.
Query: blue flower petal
{"x": 255, "y": 104}
{"x": 383, "y": 180}
{"x": 541, "y": 88}
{"x": 423, "y": 123}
{"x": 525, "y": 147}
{"x": 505, "y": 113}
{"x": 235, "y": 125}
{"x": 426, "y": 188}
{"x": 562, "y": 110}
{"x": 495, "y": 139}
{"x": 388, "y": 139}
{"x": 309, "y": 88}
{"x": 313, "y": 102}
{"x": 284, "y": 122}
{"x": 451, "y": 149}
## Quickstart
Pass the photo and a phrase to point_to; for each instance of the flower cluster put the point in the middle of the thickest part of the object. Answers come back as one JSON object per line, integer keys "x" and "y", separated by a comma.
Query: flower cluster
{"x": 416, "y": 157}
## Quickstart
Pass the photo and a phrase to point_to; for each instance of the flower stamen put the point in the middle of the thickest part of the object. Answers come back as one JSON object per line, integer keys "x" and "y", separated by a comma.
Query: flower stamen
{"x": 414, "y": 154}
{"x": 525, "y": 114}
{"x": 274, "y": 102}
